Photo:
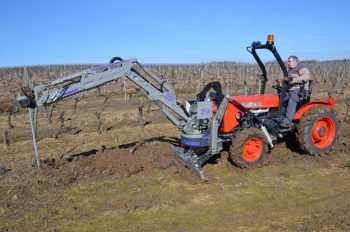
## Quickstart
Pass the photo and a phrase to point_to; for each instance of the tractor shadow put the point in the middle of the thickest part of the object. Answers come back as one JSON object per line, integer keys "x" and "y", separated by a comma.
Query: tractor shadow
{"x": 292, "y": 143}
{"x": 132, "y": 145}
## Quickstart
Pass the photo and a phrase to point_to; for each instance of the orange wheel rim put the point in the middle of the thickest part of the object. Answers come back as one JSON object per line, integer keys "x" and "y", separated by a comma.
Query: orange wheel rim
{"x": 323, "y": 132}
{"x": 252, "y": 149}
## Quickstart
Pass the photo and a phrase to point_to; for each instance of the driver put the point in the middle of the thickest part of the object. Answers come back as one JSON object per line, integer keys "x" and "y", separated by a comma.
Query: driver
{"x": 298, "y": 74}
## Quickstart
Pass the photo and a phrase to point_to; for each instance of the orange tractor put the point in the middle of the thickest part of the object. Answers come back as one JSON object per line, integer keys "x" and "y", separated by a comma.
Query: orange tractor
{"x": 249, "y": 124}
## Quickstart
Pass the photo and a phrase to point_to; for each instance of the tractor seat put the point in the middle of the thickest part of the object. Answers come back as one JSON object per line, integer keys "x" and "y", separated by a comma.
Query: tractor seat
{"x": 305, "y": 93}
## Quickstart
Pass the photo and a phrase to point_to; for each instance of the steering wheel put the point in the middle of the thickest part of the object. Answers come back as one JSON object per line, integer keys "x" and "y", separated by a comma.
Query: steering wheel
{"x": 277, "y": 85}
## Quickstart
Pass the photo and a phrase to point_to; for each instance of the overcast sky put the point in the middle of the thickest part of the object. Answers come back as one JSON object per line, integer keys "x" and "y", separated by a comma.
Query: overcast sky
{"x": 65, "y": 32}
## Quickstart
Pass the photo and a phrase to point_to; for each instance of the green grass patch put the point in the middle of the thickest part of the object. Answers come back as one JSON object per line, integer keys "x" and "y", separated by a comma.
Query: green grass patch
{"x": 347, "y": 164}
{"x": 286, "y": 173}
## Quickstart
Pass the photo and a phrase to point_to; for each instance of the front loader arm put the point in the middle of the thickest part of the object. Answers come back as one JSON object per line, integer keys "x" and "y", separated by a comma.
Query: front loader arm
{"x": 158, "y": 90}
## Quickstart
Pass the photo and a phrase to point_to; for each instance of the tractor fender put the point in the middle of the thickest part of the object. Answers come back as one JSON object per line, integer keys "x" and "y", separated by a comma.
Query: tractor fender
{"x": 329, "y": 103}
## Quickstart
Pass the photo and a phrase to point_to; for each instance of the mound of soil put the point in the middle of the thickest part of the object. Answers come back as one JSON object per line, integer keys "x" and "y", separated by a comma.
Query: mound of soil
{"x": 125, "y": 161}
{"x": 116, "y": 163}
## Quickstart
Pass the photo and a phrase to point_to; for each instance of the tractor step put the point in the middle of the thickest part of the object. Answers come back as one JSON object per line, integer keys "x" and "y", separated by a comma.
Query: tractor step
{"x": 288, "y": 129}
{"x": 191, "y": 160}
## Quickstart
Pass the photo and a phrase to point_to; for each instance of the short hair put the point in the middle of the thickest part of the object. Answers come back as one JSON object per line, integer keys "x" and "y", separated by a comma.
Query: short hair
{"x": 295, "y": 58}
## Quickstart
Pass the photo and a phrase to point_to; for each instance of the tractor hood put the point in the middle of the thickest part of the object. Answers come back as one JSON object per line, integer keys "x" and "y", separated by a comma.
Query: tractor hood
{"x": 258, "y": 101}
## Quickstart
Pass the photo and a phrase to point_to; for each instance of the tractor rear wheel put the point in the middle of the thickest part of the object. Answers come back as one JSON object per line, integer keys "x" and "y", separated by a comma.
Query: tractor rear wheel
{"x": 249, "y": 148}
{"x": 318, "y": 131}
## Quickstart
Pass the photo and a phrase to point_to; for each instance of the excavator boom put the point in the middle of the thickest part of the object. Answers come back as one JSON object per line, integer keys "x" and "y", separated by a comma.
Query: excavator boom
{"x": 156, "y": 87}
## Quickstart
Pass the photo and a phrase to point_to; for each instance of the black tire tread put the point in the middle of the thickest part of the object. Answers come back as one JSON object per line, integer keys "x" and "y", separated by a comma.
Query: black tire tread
{"x": 304, "y": 129}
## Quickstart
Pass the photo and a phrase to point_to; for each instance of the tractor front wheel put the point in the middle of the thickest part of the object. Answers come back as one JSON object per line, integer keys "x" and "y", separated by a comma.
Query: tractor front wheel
{"x": 318, "y": 131}
{"x": 249, "y": 148}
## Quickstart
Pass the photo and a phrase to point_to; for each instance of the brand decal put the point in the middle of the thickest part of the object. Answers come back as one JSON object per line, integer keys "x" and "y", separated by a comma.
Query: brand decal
{"x": 252, "y": 104}
{"x": 170, "y": 97}
{"x": 205, "y": 111}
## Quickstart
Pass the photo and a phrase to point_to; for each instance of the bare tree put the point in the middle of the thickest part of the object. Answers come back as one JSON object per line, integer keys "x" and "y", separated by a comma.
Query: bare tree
{"x": 347, "y": 102}
{"x": 149, "y": 105}
{"x": 76, "y": 100}
{"x": 141, "y": 118}
{"x": 13, "y": 93}
{"x": 49, "y": 112}
{"x": 99, "y": 91}
{"x": 6, "y": 138}
{"x": 60, "y": 129}
{"x": 98, "y": 118}
{"x": 9, "y": 120}
{"x": 99, "y": 112}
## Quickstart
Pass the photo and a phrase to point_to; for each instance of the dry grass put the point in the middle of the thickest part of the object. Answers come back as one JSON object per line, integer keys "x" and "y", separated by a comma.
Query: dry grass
{"x": 292, "y": 193}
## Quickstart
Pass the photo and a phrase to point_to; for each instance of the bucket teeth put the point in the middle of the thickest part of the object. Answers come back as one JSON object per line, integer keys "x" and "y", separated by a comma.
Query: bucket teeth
{"x": 191, "y": 160}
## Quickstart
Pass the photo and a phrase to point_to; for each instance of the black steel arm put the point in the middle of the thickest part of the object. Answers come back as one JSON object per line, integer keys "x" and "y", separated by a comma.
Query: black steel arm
{"x": 269, "y": 46}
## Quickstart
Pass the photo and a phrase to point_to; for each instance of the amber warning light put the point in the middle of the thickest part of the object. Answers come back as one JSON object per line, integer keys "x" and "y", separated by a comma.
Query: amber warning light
{"x": 271, "y": 39}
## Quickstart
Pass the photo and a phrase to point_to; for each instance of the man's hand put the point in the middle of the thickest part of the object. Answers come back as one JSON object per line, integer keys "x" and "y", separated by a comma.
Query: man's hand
{"x": 277, "y": 84}
{"x": 291, "y": 81}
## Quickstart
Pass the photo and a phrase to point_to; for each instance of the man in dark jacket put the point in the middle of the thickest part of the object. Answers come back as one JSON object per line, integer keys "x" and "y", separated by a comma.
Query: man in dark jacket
{"x": 299, "y": 75}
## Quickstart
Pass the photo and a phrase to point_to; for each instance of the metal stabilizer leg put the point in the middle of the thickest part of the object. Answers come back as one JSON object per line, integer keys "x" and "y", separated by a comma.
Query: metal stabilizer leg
{"x": 34, "y": 131}
{"x": 192, "y": 160}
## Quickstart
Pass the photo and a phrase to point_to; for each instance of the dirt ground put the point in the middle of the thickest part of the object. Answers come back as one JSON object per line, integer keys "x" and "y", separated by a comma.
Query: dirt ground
{"x": 126, "y": 178}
